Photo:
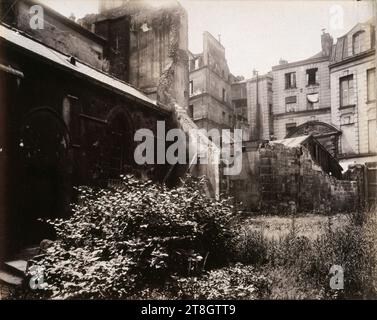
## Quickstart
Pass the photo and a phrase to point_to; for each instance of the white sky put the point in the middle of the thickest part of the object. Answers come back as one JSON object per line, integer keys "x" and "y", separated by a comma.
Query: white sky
{"x": 255, "y": 33}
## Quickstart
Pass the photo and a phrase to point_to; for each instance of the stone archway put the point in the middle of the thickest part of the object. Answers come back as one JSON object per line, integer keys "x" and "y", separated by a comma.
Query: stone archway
{"x": 326, "y": 134}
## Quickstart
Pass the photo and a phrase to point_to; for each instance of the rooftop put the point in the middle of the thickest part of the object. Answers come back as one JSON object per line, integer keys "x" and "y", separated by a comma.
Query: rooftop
{"x": 61, "y": 60}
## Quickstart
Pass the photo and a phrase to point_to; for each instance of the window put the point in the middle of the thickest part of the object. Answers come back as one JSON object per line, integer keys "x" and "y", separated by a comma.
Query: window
{"x": 224, "y": 95}
{"x": 191, "y": 111}
{"x": 223, "y": 116}
{"x": 197, "y": 63}
{"x": 290, "y": 104}
{"x": 371, "y": 83}
{"x": 312, "y": 101}
{"x": 346, "y": 91}
{"x": 289, "y": 127}
{"x": 311, "y": 76}
{"x": 290, "y": 80}
{"x": 191, "y": 87}
{"x": 357, "y": 42}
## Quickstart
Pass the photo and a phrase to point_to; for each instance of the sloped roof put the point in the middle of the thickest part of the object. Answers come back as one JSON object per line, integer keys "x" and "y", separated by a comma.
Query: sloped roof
{"x": 291, "y": 142}
{"x": 21, "y": 40}
{"x": 340, "y": 48}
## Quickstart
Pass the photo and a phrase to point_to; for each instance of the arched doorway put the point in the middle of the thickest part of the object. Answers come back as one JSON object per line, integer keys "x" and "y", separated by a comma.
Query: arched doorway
{"x": 325, "y": 133}
{"x": 42, "y": 146}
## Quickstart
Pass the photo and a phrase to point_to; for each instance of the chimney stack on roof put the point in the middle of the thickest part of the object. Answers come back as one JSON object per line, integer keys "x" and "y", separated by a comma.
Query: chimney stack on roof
{"x": 326, "y": 42}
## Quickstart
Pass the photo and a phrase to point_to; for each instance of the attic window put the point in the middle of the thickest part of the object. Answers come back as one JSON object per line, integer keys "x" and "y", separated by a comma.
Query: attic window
{"x": 357, "y": 42}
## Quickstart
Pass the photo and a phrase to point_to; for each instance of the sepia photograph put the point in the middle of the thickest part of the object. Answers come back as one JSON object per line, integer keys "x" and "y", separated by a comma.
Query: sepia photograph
{"x": 204, "y": 151}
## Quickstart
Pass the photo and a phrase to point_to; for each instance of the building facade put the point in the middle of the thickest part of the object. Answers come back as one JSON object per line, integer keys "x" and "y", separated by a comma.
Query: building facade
{"x": 301, "y": 98}
{"x": 240, "y": 107}
{"x": 353, "y": 94}
{"x": 210, "y": 103}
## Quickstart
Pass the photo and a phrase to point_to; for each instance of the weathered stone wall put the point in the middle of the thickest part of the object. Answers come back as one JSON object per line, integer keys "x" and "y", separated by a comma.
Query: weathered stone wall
{"x": 59, "y": 33}
{"x": 277, "y": 180}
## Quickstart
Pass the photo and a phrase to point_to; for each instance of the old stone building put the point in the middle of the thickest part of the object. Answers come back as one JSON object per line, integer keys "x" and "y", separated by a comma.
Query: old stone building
{"x": 301, "y": 98}
{"x": 68, "y": 117}
{"x": 353, "y": 94}
{"x": 210, "y": 103}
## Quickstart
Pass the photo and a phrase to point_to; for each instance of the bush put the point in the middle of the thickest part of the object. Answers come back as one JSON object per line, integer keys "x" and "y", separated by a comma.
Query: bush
{"x": 236, "y": 282}
{"x": 139, "y": 234}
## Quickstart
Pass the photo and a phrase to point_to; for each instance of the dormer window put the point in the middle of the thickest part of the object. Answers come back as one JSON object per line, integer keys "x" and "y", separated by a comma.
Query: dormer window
{"x": 357, "y": 42}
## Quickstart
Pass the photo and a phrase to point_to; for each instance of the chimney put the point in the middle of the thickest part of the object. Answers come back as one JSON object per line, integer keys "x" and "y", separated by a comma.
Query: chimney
{"x": 326, "y": 42}
{"x": 282, "y": 61}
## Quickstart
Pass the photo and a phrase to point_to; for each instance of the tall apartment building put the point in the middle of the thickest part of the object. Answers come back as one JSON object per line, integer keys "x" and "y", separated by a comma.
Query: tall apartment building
{"x": 353, "y": 94}
{"x": 210, "y": 86}
{"x": 301, "y": 98}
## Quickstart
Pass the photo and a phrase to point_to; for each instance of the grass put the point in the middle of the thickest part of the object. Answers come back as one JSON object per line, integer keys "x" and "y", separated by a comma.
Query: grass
{"x": 296, "y": 254}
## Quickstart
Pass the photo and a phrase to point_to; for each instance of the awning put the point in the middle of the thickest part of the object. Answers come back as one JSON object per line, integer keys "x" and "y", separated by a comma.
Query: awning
{"x": 313, "y": 98}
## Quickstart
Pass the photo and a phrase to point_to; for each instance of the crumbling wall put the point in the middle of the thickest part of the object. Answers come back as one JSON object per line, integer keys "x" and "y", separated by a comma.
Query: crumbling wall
{"x": 159, "y": 54}
{"x": 287, "y": 180}
{"x": 296, "y": 182}
{"x": 211, "y": 169}
{"x": 290, "y": 180}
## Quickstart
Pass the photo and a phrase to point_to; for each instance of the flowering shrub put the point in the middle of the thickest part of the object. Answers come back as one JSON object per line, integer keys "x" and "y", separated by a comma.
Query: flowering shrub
{"x": 122, "y": 239}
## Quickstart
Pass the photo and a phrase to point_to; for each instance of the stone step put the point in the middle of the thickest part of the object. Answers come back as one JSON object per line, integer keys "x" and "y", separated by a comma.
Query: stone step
{"x": 16, "y": 267}
{"x": 28, "y": 253}
{"x": 10, "y": 279}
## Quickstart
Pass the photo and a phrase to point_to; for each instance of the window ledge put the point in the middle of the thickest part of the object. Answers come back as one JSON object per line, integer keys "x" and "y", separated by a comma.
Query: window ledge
{"x": 312, "y": 85}
{"x": 348, "y": 106}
